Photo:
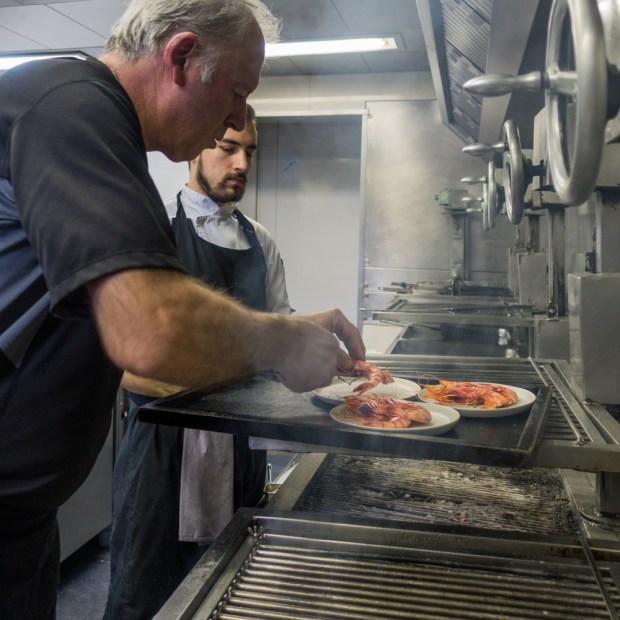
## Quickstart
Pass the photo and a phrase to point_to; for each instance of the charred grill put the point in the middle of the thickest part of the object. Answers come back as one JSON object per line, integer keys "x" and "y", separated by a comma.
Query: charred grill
{"x": 440, "y": 492}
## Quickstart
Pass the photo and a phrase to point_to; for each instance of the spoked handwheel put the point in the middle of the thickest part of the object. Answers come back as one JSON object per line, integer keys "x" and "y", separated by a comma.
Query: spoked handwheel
{"x": 575, "y": 83}
{"x": 482, "y": 200}
{"x": 491, "y": 201}
{"x": 579, "y": 81}
{"x": 490, "y": 189}
{"x": 514, "y": 179}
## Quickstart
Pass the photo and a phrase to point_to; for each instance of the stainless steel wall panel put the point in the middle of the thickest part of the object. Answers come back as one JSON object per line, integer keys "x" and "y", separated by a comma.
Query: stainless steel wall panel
{"x": 594, "y": 325}
{"x": 533, "y": 283}
{"x": 411, "y": 156}
{"x": 310, "y": 198}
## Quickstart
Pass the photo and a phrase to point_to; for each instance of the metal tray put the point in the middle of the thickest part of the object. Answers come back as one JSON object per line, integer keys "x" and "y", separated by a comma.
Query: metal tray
{"x": 277, "y": 564}
{"x": 262, "y": 407}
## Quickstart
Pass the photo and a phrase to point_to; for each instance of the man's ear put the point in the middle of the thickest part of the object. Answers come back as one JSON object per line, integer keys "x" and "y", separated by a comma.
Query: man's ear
{"x": 177, "y": 53}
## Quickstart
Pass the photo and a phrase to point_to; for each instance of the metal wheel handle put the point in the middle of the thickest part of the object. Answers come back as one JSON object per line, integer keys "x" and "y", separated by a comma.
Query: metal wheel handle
{"x": 482, "y": 199}
{"x": 489, "y": 196}
{"x": 512, "y": 163}
{"x": 491, "y": 187}
{"x": 485, "y": 210}
{"x": 469, "y": 200}
{"x": 482, "y": 149}
{"x": 574, "y": 168}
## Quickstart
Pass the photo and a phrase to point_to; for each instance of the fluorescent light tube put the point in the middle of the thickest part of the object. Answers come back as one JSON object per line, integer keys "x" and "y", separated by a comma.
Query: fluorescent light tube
{"x": 336, "y": 46}
{"x": 8, "y": 62}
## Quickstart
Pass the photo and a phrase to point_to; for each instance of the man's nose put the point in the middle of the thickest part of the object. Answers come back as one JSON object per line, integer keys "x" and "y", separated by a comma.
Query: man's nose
{"x": 242, "y": 161}
{"x": 237, "y": 116}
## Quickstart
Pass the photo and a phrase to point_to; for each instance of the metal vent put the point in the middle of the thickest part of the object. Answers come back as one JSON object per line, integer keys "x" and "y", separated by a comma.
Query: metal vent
{"x": 467, "y": 31}
{"x": 483, "y": 8}
{"x": 457, "y": 34}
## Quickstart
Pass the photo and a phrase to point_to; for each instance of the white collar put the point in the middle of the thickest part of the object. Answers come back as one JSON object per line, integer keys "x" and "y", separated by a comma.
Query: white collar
{"x": 207, "y": 207}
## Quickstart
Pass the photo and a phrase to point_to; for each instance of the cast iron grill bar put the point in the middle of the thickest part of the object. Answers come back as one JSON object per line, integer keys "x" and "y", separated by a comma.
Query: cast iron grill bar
{"x": 532, "y": 501}
{"x": 521, "y": 372}
{"x": 297, "y": 582}
{"x": 564, "y": 423}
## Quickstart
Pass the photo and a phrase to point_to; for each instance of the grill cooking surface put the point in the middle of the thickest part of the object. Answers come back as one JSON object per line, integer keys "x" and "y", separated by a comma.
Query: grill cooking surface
{"x": 401, "y": 574}
{"x": 441, "y": 492}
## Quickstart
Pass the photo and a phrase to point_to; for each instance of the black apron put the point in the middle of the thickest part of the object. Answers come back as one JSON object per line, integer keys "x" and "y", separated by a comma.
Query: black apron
{"x": 242, "y": 273}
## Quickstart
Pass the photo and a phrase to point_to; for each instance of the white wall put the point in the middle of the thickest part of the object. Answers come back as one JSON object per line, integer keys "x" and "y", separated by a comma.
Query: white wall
{"x": 169, "y": 177}
{"x": 310, "y": 198}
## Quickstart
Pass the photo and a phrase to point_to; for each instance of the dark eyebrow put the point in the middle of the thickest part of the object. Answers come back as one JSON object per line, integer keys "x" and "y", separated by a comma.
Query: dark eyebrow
{"x": 229, "y": 142}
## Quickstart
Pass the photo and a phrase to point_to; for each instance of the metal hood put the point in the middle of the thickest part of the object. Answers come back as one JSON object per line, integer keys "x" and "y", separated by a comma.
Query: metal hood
{"x": 466, "y": 38}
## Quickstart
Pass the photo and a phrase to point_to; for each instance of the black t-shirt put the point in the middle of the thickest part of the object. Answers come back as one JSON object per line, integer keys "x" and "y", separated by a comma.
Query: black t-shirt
{"x": 76, "y": 203}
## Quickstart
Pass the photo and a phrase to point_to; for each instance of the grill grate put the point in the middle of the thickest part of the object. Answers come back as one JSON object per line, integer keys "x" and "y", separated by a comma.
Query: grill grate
{"x": 303, "y": 579}
{"x": 494, "y": 498}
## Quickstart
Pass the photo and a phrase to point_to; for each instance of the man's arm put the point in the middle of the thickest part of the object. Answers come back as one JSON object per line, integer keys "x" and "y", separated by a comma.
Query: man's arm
{"x": 167, "y": 326}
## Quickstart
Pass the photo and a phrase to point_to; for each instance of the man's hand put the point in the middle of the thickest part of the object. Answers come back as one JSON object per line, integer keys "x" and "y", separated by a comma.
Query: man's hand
{"x": 315, "y": 356}
{"x": 333, "y": 320}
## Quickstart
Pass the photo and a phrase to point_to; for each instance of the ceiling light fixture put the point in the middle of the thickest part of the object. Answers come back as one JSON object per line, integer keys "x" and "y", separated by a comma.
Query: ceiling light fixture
{"x": 336, "y": 46}
{"x": 8, "y": 62}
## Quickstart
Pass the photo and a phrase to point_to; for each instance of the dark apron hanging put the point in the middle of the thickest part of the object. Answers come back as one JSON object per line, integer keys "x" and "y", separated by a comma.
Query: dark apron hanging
{"x": 242, "y": 274}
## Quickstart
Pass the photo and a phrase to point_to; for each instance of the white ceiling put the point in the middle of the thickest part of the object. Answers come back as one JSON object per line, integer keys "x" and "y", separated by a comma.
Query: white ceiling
{"x": 37, "y": 25}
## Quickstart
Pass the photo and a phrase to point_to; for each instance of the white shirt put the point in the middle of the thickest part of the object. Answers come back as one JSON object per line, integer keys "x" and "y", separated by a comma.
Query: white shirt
{"x": 217, "y": 224}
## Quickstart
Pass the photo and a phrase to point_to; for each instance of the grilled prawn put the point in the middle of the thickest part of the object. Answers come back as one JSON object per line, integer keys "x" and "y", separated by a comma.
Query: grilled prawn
{"x": 374, "y": 374}
{"x": 384, "y": 411}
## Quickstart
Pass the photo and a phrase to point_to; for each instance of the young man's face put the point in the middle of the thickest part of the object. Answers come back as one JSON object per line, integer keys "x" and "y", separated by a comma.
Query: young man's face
{"x": 221, "y": 173}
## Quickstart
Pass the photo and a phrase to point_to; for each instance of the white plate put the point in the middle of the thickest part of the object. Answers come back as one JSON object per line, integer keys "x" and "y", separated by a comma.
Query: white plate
{"x": 442, "y": 420}
{"x": 334, "y": 394}
{"x": 525, "y": 399}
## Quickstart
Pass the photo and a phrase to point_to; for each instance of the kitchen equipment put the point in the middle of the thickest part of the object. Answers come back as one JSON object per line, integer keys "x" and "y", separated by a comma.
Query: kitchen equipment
{"x": 263, "y": 407}
{"x": 577, "y": 434}
{"x": 518, "y": 170}
{"x": 580, "y": 86}
{"x": 493, "y": 197}
{"x": 295, "y": 565}
{"x": 460, "y": 326}
{"x": 502, "y": 499}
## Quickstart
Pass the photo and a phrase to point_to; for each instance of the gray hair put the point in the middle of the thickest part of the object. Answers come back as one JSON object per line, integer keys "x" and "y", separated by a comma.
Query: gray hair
{"x": 146, "y": 26}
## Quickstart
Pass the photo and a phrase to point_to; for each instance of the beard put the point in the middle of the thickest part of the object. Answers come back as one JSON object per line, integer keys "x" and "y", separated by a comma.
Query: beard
{"x": 220, "y": 193}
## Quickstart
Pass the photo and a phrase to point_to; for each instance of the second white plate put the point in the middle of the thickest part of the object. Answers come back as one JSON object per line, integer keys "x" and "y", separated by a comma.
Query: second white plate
{"x": 335, "y": 393}
{"x": 525, "y": 399}
{"x": 442, "y": 420}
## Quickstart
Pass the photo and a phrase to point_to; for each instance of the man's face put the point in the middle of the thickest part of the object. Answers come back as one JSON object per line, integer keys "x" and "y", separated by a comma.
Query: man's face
{"x": 221, "y": 173}
{"x": 196, "y": 114}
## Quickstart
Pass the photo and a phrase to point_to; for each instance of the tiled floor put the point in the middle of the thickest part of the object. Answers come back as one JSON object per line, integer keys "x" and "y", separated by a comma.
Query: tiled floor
{"x": 84, "y": 579}
{"x": 85, "y": 575}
